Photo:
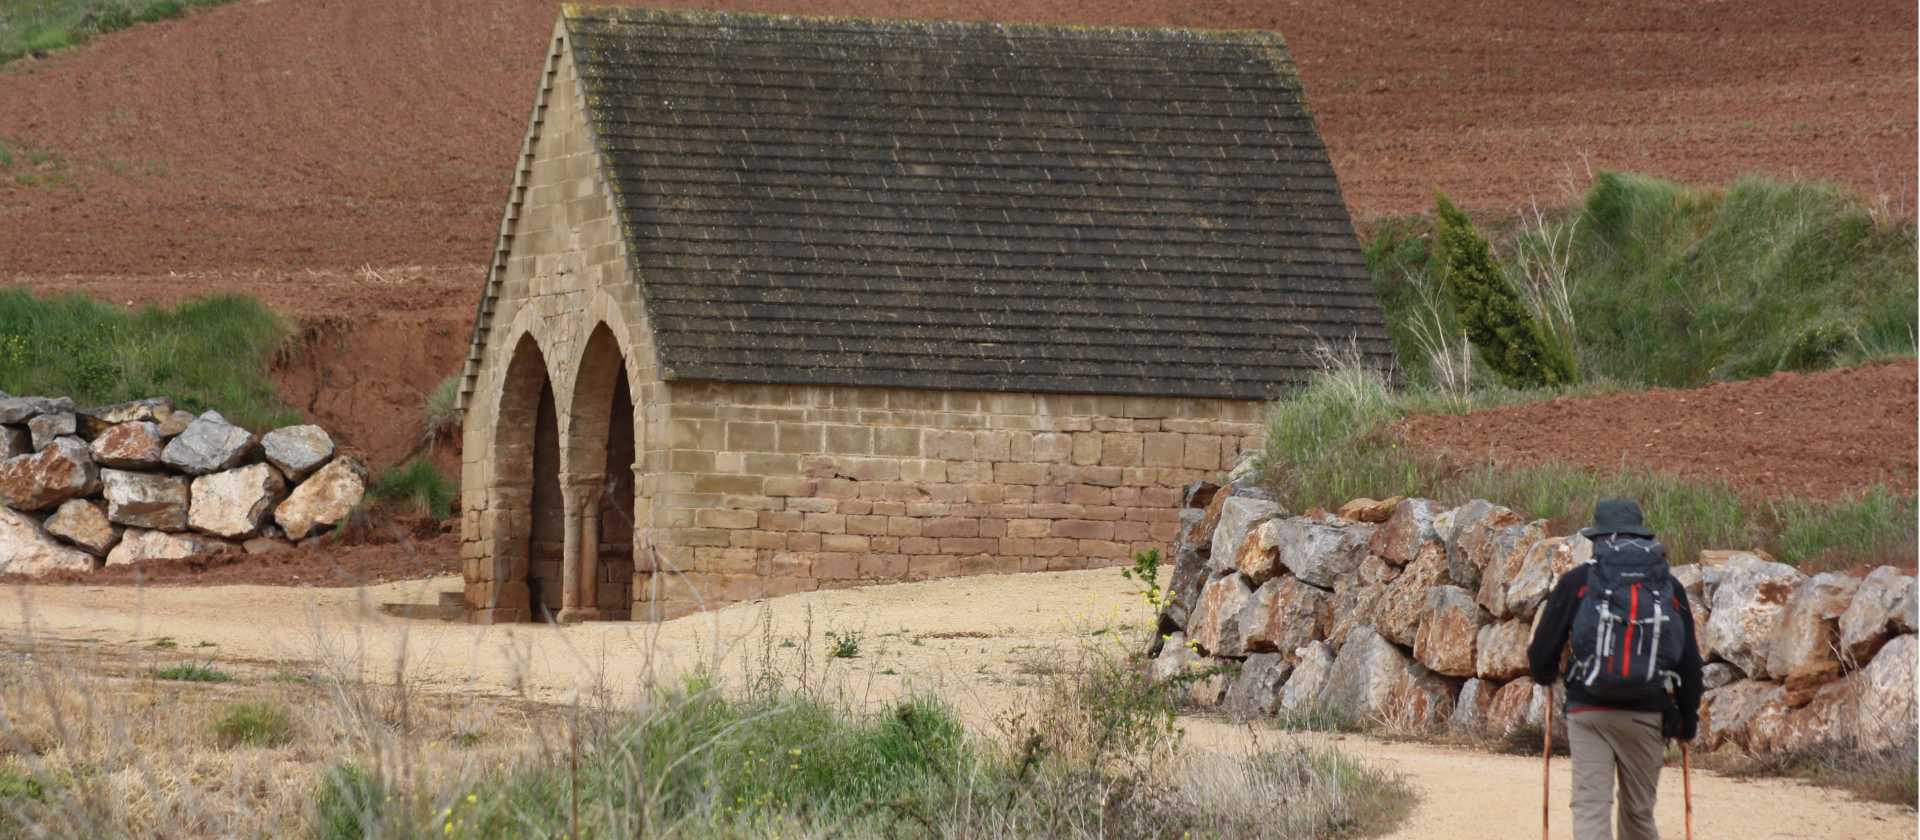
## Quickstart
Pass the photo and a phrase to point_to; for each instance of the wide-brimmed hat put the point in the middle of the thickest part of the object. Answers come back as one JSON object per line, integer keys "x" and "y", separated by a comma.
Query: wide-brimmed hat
{"x": 1618, "y": 516}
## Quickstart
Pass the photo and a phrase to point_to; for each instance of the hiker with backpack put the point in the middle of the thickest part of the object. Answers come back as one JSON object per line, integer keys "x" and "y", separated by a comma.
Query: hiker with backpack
{"x": 1634, "y": 677}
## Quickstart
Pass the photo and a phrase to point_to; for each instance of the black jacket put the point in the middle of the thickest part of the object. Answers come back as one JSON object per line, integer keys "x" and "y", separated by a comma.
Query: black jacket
{"x": 1550, "y": 638}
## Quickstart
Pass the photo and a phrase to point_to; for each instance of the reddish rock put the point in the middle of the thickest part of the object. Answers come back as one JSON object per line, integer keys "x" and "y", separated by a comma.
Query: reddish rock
{"x": 1215, "y": 625}
{"x": 1541, "y": 569}
{"x": 1727, "y": 712}
{"x": 1410, "y": 527}
{"x": 1473, "y": 541}
{"x": 1448, "y": 632}
{"x": 60, "y": 471}
{"x": 1370, "y": 510}
{"x": 1510, "y": 549}
{"x": 129, "y": 446}
{"x": 1803, "y": 652}
{"x": 1501, "y": 652}
{"x": 1320, "y": 553}
{"x": 84, "y": 524}
{"x": 1398, "y": 614}
{"x": 1238, "y": 519}
{"x": 1470, "y": 707}
{"x": 1285, "y": 614}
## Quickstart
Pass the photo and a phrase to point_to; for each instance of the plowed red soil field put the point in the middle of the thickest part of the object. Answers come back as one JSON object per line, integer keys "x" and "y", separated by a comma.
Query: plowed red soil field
{"x": 1821, "y": 435}
{"x": 289, "y": 134}
{"x": 346, "y": 161}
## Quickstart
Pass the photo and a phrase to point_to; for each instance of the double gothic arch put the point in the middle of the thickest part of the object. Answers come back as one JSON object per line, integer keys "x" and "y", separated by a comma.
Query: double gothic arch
{"x": 560, "y": 495}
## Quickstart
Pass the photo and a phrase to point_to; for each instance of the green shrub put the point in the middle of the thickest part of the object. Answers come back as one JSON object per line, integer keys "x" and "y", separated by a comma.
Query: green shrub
{"x": 418, "y": 483}
{"x": 256, "y": 724}
{"x": 211, "y": 353}
{"x": 1510, "y": 340}
{"x": 1679, "y": 286}
{"x": 193, "y": 672}
{"x": 18, "y": 784}
{"x": 349, "y": 804}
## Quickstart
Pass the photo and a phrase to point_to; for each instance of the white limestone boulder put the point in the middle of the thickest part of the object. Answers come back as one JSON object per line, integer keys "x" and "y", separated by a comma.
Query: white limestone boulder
{"x": 139, "y": 545}
{"x": 1883, "y": 606}
{"x": 146, "y": 500}
{"x": 1749, "y": 601}
{"x": 83, "y": 523}
{"x": 297, "y": 450}
{"x": 234, "y": 504}
{"x": 323, "y": 500}
{"x": 209, "y": 444}
{"x": 26, "y": 549}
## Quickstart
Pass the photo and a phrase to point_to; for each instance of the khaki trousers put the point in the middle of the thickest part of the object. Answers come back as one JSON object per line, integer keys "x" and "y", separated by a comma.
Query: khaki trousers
{"x": 1615, "y": 746}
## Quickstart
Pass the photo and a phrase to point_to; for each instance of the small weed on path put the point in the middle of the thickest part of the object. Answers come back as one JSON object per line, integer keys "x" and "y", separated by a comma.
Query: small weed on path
{"x": 843, "y": 645}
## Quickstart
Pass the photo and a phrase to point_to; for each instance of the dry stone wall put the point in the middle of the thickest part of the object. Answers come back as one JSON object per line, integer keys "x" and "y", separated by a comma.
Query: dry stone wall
{"x": 1406, "y": 613}
{"x": 140, "y": 481}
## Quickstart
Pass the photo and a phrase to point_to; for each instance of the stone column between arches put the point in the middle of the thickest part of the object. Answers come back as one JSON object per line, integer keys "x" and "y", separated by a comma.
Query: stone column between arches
{"x": 596, "y": 470}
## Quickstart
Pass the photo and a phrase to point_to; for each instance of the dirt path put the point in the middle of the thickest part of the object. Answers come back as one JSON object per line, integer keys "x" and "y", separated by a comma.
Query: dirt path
{"x": 978, "y": 642}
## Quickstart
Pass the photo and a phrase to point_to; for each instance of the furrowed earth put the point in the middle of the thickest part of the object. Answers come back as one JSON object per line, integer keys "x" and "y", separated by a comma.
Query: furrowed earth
{"x": 347, "y": 162}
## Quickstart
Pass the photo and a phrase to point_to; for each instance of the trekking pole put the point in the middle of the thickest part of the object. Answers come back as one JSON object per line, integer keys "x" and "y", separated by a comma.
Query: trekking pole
{"x": 1686, "y": 784}
{"x": 1546, "y": 764}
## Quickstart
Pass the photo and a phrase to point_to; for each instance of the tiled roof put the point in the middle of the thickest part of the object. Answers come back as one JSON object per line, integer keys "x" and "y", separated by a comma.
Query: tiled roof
{"x": 972, "y": 205}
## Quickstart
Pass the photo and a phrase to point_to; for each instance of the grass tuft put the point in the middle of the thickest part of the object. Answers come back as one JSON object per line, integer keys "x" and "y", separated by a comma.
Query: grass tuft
{"x": 349, "y": 804}
{"x": 443, "y": 408}
{"x": 420, "y": 484}
{"x": 254, "y": 724}
{"x": 193, "y": 672}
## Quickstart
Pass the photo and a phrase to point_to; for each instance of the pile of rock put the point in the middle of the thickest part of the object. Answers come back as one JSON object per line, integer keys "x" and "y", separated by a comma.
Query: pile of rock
{"x": 1406, "y": 613}
{"x": 139, "y": 481}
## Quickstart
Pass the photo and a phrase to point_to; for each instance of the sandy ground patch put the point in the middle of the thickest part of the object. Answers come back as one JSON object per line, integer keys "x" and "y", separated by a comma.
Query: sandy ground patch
{"x": 978, "y": 642}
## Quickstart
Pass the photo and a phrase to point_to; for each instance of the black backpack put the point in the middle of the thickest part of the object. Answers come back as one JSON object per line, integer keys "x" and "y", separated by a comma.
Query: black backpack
{"x": 1627, "y": 634}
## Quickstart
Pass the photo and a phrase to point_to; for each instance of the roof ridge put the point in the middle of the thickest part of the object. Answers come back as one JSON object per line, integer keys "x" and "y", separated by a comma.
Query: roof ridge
{"x": 700, "y": 17}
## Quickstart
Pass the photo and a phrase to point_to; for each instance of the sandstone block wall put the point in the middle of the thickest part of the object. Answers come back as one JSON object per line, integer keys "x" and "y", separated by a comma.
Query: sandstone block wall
{"x": 768, "y": 490}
